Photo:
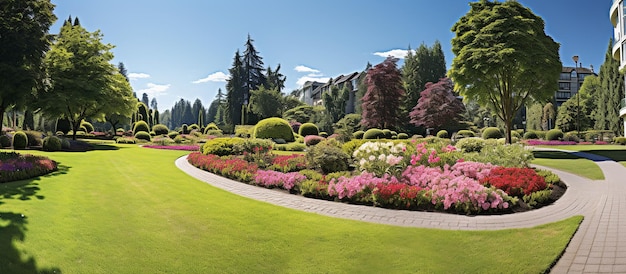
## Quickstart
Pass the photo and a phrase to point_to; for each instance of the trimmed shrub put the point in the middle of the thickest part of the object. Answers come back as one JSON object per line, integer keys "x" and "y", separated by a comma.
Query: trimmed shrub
{"x": 243, "y": 131}
{"x": 223, "y": 146}
{"x": 492, "y": 133}
{"x": 403, "y": 136}
{"x": 152, "y": 133}
{"x": 172, "y": 134}
{"x": 530, "y": 135}
{"x": 373, "y": 133}
{"x": 554, "y": 134}
{"x": 160, "y": 129}
{"x": 185, "y": 129}
{"x": 88, "y": 126}
{"x": 290, "y": 147}
{"x": 619, "y": 140}
{"x": 20, "y": 140}
{"x": 442, "y": 134}
{"x": 273, "y": 128}
{"x": 211, "y": 126}
{"x": 125, "y": 140}
{"x": 193, "y": 126}
{"x": 328, "y": 157}
{"x": 387, "y": 133}
{"x": 324, "y": 134}
{"x": 141, "y": 126}
{"x": 471, "y": 144}
{"x": 466, "y": 133}
{"x": 5, "y": 141}
{"x": 52, "y": 143}
{"x": 65, "y": 143}
{"x": 515, "y": 134}
{"x": 571, "y": 136}
{"x": 358, "y": 134}
{"x": 295, "y": 126}
{"x": 308, "y": 129}
{"x": 214, "y": 132}
{"x": 142, "y": 135}
{"x": 34, "y": 138}
{"x": 312, "y": 140}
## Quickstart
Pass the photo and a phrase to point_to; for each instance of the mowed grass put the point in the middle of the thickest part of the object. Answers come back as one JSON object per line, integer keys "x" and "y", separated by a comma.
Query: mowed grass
{"x": 569, "y": 163}
{"x": 132, "y": 211}
{"x": 615, "y": 152}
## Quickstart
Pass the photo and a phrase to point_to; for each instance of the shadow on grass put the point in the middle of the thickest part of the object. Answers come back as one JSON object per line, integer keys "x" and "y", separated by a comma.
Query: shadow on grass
{"x": 13, "y": 229}
{"x": 615, "y": 155}
{"x": 555, "y": 155}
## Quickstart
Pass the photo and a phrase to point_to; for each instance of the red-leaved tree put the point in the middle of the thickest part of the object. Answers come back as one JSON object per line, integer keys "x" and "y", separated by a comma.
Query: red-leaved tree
{"x": 437, "y": 106}
{"x": 381, "y": 103}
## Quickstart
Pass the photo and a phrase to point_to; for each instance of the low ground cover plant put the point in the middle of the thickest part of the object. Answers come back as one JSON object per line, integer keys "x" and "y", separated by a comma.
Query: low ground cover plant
{"x": 429, "y": 174}
{"x": 15, "y": 166}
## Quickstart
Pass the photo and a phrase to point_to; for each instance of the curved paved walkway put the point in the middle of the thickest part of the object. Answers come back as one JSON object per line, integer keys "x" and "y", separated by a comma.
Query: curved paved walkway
{"x": 598, "y": 246}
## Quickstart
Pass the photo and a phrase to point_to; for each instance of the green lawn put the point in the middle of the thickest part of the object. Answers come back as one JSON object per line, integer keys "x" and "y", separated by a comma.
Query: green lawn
{"x": 132, "y": 211}
{"x": 615, "y": 152}
{"x": 568, "y": 162}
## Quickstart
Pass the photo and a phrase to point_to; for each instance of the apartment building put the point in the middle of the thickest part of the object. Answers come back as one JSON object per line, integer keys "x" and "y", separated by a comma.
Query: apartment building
{"x": 570, "y": 81}
{"x": 617, "y": 16}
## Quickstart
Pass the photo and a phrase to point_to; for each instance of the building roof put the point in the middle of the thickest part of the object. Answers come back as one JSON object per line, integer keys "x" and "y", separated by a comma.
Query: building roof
{"x": 578, "y": 70}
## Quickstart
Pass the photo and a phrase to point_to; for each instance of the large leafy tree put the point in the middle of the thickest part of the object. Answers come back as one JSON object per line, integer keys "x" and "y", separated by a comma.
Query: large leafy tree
{"x": 381, "y": 103}
{"x": 235, "y": 90}
{"x": 612, "y": 91}
{"x": 24, "y": 39}
{"x": 83, "y": 82}
{"x": 533, "y": 116}
{"x": 437, "y": 107}
{"x": 503, "y": 58}
{"x": 266, "y": 103}
{"x": 566, "y": 118}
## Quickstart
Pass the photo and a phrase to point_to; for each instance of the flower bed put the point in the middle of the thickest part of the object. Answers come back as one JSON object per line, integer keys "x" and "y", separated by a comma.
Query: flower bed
{"x": 175, "y": 147}
{"x": 422, "y": 176}
{"x": 15, "y": 166}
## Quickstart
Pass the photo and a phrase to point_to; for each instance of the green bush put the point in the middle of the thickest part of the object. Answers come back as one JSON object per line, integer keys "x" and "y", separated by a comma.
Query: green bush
{"x": 373, "y": 133}
{"x": 142, "y": 135}
{"x": 184, "y": 129}
{"x": 387, "y": 133}
{"x": 619, "y": 140}
{"x": 358, "y": 134}
{"x": 194, "y": 127}
{"x": 515, "y": 134}
{"x": 88, "y": 126}
{"x": 65, "y": 143}
{"x": 141, "y": 126}
{"x": 442, "y": 134}
{"x": 211, "y": 126}
{"x": 466, "y": 133}
{"x": 20, "y": 140}
{"x": 530, "y": 135}
{"x": 178, "y": 139}
{"x": 5, "y": 141}
{"x": 492, "y": 133}
{"x": 403, "y": 136}
{"x": 52, "y": 143}
{"x": 125, "y": 140}
{"x": 223, "y": 146}
{"x": 471, "y": 144}
{"x": 324, "y": 134}
{"x": 34, "y": 138}
{"x": 214, "y": 132}
{"x": 160, "y": 129}
{"x": 554, "y": 134}
{"x": 244, "y": 131}
{"x": 571, "y": 136}
{"x": 153, "y": 134}
{"x": 308, "y": 129}
{"x": 312, "y": 140}
{"x": 516, "y": 155}
{"x": 172, "y": 134}
{"x": 290, "y": 147}
{"x": 328, "y": 157}
{"x": 351, "y": 146}
{"x": 273, "y": 128}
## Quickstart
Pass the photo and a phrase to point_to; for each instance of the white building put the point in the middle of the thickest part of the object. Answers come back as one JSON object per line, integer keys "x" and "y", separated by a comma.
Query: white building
{"x": 618, "y": 19}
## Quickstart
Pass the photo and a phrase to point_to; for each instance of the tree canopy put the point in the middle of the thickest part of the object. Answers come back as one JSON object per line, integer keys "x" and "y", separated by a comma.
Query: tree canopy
{"x": 83, "y": 82}
{"x": 503, "y": 58}
{"x": 437, "y": 106}
{"x": 381, "y": 103}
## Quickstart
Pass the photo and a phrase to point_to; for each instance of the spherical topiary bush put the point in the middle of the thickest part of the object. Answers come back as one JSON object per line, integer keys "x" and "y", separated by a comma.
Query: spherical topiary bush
{"x": 194, "y": 126}
{"x": 328, "y": 157}
{"x": 324, "y": 134}
{"x": 492, "y": 133}
{"x": 65, "y": 143}
{"x": 442, "y": 133}
{"x": 160, "y": 129}
{"x": 403, "y": 136}
{"x": 141, "y": 126}
{"x": 387, "y": 133}
{"x": 88, "y": 126}
{"x": 52, "y": 143}
{"x": 5, "y": 141}
{"x": 571, "y": 136}
{"x": 554, "y": 134}
{"x": 530, "y": 135}
{"x": 466, "y": 133}
{"x": 471, "y": 144}
{"x": 172, "y": 134}
{"x": 515, "y": 134}
{"x": 273, "y": 128}
{"x": 308, "y": 129}
{"x": 358, "y": 134}
{"x": 20, "y": 140}
{"x": 211, "y": 126}
{"x": 295, "y": 126}
{"x": 373, "y": 133}
{"x": 142, "y": 135}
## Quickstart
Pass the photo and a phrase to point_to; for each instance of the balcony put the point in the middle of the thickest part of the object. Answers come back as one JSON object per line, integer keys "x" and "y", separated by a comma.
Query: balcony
{"x": 622, "y": 110}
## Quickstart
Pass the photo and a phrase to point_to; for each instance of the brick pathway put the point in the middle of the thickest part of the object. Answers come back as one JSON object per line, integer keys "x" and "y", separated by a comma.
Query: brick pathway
{"x": 598, "y": 246}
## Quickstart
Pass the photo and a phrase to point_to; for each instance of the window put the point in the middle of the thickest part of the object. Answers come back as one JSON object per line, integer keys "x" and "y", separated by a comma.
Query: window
{"x": 563, "y": 95}
{"x": 564, "y": 86}
{"x": 573, "y": 74}
{"x": 564, "y": 76}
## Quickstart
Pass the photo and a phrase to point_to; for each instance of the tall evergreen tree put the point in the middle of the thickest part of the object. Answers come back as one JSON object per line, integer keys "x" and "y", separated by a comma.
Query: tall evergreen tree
{"x": 361, "y": 88}
{"x": 235, "y": 91}
{"x": 608, "y": 101}
{"x": 334, "y": 101}
{"x": 275, "y": 79}
{"x": 123, "y": 71}
{"x": 253, "y": 69}
{"x": 195, "y": 109}
{"x": 381, "y": 104}
{"x": 145, "y": 100}
{"x": 153, "y": 104}
{"x": 548, "y": 117}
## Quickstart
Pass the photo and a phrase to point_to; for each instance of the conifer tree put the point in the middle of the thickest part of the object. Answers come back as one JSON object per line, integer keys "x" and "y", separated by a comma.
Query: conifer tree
{"x": 612, "y": 92}
{"x": 253, "y": 69}
{"x": 235, "y": 91}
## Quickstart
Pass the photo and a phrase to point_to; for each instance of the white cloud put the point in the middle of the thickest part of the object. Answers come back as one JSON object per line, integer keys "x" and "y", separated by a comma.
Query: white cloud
{"x": 397, "y": 53}
{"x": 213, "y": 77}
{"x": 303, "y": 80}
{"x": 315, "y": 75}
{"x": 154, "y": 89}
{"x": 135, "y": 76}
{"x": 305, "y": 69}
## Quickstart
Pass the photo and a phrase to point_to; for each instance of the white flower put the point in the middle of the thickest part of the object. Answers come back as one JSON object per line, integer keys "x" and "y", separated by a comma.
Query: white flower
{"x": 372, "y": 158}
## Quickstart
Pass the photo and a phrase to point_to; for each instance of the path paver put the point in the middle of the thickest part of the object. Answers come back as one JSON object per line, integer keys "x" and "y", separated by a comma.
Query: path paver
{"x": 599, "y": 246}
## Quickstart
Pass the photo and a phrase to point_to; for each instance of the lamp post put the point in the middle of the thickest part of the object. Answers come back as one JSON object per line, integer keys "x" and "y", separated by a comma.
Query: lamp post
{"x": 575, "y": 58}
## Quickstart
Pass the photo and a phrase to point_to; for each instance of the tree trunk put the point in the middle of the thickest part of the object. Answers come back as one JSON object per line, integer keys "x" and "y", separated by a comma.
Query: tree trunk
{"x": 2, "y": 109}
{"x": 75, "y": 127}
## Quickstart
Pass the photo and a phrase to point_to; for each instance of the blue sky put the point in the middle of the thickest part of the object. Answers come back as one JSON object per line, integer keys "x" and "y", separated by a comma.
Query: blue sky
{"x": 183, "y": 49}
